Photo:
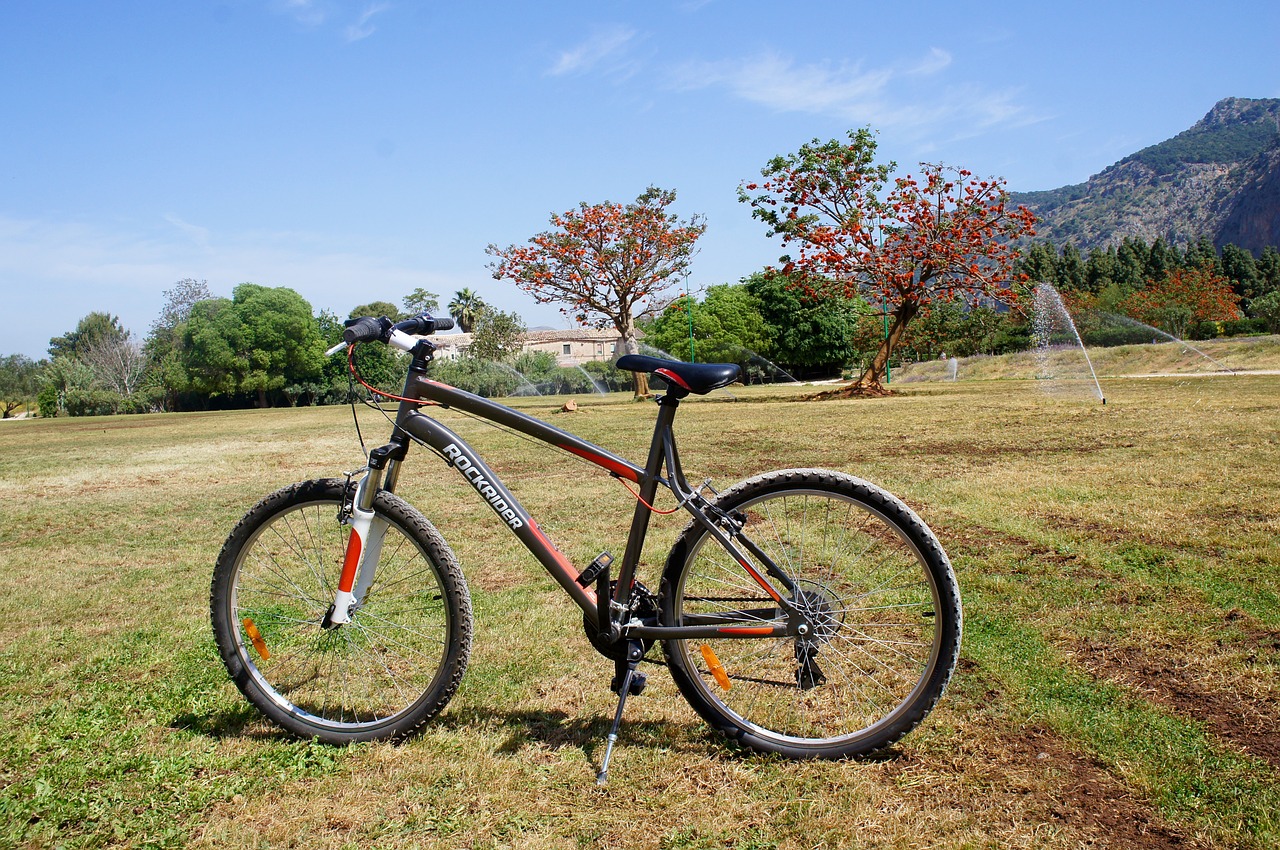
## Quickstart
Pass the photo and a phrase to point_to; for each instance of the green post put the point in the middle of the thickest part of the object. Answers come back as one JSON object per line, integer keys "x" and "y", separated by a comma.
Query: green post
{"x": 688, "y": 306}
{"x": 888, "y": 372}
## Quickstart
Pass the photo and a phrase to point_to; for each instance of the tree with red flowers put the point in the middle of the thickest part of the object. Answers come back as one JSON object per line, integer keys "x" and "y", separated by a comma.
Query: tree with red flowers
{"x": 944, "y": 236}
{"x": 606, "y": 262}
{"x": 1181, "y": 297}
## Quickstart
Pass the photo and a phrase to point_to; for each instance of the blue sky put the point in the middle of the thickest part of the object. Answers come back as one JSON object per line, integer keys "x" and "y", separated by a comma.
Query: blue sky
{"x": 357, "y": 150}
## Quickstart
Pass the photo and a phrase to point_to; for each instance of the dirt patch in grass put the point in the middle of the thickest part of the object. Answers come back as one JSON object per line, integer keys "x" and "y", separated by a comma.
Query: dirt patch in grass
{"x": 1089, "y": 799}
{"x": 1165, "y": 677}
{"x": 1066, "y": 797}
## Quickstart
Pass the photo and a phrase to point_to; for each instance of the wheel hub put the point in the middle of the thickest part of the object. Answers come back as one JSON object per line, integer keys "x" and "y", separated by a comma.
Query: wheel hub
{"x": 821, "y": 608}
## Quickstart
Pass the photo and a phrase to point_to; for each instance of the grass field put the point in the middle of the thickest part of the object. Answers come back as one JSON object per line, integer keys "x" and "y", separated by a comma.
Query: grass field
{"x": 1119, "y": 563}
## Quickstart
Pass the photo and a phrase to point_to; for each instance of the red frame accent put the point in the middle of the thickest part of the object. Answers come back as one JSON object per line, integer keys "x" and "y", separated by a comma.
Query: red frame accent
{"x": 604, "y": 462}
{"x": 349, "y": 563}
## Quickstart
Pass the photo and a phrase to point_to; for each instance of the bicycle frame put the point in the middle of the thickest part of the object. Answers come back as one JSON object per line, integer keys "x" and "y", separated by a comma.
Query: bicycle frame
{"x": 605, "y": 614}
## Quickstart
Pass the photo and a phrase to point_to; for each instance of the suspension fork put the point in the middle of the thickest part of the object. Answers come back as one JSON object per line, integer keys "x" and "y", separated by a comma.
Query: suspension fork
{"x": 364, "y": 544}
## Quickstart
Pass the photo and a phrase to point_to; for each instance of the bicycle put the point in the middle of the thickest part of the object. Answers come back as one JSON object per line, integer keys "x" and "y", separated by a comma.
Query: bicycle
{"x": 803, "y": 612}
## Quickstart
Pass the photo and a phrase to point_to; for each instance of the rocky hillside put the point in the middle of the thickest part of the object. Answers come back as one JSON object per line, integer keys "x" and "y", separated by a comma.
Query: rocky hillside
{"x": 1220, "y": 178}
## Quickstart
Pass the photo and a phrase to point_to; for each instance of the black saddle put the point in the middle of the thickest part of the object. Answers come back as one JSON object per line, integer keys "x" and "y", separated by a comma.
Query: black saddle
{"x": 683, "y": 378}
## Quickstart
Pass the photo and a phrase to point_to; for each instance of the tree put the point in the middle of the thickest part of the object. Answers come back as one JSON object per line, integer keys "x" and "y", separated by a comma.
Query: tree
{"x": 810, "y": 333}
{"x": 1268, "y": 270}
{"x": 162, "y": 344}
{"x": 260, "y": 340}
{"x": 421, "y": 301}
{"x": 1267, "y": 308}
{"x": 178, "y": 302}
{"x": 466, "y": 308}
{"x": 119, "y": 364}
{"x": 19, "y": 382}
{"x": 1183, "y": 296}
{"x": 726, "y": 327}
{"x": 1239, "y": 267}
{"x": 606, "y": 262}
{"x": 378, "y": 309}
{"x": 64, "y": 383}
{"x": 496, "y": 336}
{"x": 92, "y": 328}
{"x": 946, "y": 236}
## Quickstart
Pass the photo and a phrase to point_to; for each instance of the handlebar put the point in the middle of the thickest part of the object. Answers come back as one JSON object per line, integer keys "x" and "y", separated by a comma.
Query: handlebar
{"x": 369, "y": 329}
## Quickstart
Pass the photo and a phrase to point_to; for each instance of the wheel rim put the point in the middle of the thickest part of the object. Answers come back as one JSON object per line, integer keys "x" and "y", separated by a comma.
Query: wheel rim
{"x": 873, "y": 605}
{"x": 365, "y": 674}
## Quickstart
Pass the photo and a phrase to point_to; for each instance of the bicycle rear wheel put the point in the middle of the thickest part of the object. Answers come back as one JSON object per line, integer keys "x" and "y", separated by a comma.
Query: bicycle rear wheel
{"x": 384, "y": 674}
{"x": 877, "y": 588}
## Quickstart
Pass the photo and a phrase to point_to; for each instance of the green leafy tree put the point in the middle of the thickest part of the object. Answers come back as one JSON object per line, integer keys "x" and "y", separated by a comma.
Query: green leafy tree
{"x": 1201, "y": 253}
{"x": 260, "y": 340}
{"x": 1267, "y": 308}
{"x": 1239, "y": 267}
{"x": 421, "y": 301}
{"x": 727, "y": 327}
{"x": 1070, "y": 269}
{"x": 1039, "y": 263}
{"x": 164, "y": 340}
{"x": 1100, "y": 269}
{"x": 1268, "y": 270}
{"x": 65, "y": 382}
{"x": 19, "y": 382}
{"x": 496, "y": 336}
{"x": 811, "y": 330}
{"x": 91, "y": 329}
{"x": 378, "y": 309}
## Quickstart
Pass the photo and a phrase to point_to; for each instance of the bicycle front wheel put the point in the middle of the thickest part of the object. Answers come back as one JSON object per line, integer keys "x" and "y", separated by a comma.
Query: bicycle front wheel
{"x": 872, "y": 580}
{"x": 384, "y": 674}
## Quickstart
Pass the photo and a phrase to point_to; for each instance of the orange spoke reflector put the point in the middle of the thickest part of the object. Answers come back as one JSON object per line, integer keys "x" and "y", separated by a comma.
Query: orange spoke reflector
{"x": 255, "y": 636}
{"x": 717, "y": 669}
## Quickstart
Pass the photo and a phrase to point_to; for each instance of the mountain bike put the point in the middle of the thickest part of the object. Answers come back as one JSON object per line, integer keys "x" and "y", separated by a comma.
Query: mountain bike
{"x": 803, "y": 612}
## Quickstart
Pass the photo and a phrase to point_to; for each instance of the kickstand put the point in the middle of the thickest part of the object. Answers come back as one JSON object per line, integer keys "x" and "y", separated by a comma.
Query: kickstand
{"x": 626, "y": 681}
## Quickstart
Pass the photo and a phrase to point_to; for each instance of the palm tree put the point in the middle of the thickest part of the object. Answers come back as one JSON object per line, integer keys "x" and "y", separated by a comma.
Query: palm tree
{"x": 466, "y": 308}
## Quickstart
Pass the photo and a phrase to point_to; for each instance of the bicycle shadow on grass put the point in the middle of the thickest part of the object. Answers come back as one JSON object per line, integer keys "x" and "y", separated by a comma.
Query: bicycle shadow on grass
{"x": 557, "y": 730}
{"x": 554, "y": 730}
{"x": 243, "y": 721}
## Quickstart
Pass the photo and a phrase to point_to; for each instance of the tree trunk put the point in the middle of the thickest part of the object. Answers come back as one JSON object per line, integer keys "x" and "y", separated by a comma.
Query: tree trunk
{"x": 640, "y": 380}
{"x": 869, "y": 382}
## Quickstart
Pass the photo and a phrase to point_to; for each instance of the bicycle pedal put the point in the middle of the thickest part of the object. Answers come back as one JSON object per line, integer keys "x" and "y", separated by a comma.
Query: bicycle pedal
{"x": 588, "y": 576}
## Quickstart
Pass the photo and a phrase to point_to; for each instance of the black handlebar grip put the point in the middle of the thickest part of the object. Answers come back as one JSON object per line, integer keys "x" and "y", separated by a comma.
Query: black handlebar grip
{"x": 424, "y": 325}
{"x": 364, "y": 329}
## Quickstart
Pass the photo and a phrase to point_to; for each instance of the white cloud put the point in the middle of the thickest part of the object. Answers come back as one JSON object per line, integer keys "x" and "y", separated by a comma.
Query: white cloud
{"x": 908, "y": 96}
{"x": 778, "y": 83}
{"x": 937, "y": 60}
{"x": 362, "y": 28}
{"x": 605, "y": 44}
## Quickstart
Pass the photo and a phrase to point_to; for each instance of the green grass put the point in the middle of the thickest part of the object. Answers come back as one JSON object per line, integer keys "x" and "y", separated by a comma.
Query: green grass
{"x": 1144, "y": 530}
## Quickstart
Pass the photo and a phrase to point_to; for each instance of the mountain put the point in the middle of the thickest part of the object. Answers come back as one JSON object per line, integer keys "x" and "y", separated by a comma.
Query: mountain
{"x": 1220, "y": 178}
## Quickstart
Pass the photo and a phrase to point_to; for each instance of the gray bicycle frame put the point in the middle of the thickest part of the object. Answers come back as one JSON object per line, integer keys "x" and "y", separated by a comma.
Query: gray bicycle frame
{"x": 410, "y": 419}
